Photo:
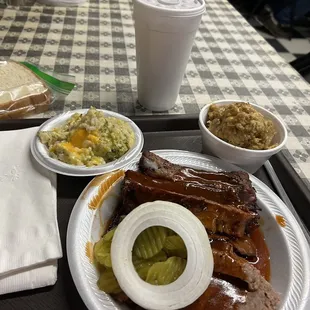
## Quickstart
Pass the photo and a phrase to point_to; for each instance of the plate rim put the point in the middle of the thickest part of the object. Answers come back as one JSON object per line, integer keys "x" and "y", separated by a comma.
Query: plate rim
{"x": 77, "y": 270}
{"x": 60, "y": 167}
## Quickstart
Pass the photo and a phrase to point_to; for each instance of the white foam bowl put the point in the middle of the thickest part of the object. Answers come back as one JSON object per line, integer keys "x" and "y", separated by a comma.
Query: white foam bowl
{"x": 41, "y": 154}
{"x": 249, "y": 160}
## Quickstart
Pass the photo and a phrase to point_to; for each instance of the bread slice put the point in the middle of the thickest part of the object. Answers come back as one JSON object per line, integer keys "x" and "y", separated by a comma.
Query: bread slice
{"x": 21, "y": 91}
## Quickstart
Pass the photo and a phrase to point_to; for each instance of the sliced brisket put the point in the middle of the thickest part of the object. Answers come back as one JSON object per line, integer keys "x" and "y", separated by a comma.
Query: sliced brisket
{"x": 223, "y": 295}
{"x": 243, "y": 245}
{"x": 228, "y": 263}
{"x": 264, "y": 298}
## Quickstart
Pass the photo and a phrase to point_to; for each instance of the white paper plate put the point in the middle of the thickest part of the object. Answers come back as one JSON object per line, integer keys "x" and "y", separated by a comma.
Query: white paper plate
{"x": 289, "y": 250}
{"x": 40, "y": 151}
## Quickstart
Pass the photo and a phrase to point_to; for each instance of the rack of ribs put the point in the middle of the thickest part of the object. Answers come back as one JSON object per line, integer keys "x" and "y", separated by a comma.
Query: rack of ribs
{"x": 225, "y": 202}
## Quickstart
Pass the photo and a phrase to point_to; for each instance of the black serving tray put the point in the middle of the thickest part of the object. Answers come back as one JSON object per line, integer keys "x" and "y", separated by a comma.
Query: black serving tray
{"x": 160, "y": 132}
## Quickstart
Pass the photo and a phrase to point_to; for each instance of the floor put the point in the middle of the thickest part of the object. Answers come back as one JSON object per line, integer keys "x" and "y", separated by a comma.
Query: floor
{"x": 288, "y": 49}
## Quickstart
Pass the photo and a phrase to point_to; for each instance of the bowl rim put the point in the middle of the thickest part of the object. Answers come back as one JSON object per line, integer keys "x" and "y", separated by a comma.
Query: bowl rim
{"x": 231, "y": 101}
{"x": 42, "y": 156}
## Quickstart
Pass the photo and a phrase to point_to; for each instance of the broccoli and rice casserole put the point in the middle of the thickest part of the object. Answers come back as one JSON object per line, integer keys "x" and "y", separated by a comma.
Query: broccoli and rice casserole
{"x": 91, "y": 139}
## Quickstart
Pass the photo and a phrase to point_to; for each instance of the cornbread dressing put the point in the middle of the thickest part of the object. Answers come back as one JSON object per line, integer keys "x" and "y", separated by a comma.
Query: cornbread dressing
{"x": 91, "y": 139}
{"x": 241, "y": 125}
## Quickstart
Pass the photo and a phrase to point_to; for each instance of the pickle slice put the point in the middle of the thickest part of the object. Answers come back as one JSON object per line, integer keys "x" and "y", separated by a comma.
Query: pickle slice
{"x": 142, "y": 266}
{"x": 163, "y": 273}
{"x": 175, "y": 246}
{"x": 150, "y": 242}
{"x": 102, "y": 249}
{"x": 109, "y": 235}
{"x": 108, "y": 283}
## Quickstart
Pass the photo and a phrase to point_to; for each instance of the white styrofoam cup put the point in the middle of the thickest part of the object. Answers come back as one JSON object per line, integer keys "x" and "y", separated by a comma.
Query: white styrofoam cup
{"x": 165, "y": 34}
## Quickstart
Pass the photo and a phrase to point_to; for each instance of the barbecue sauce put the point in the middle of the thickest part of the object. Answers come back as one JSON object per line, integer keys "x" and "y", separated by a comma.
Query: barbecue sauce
{"x": 221, "y": 294}
{"x": 89, "y": 251}
{"x": 186, "y": 183}
{"x": 262, "y": 262}
{"x": 225, "y": 292}
{"x": 186, "y": 174}
{"x": 281, "y": 220}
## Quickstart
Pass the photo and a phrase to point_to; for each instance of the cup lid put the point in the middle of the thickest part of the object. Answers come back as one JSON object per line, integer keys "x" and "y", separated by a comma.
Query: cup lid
{"x": 174, "y": 4}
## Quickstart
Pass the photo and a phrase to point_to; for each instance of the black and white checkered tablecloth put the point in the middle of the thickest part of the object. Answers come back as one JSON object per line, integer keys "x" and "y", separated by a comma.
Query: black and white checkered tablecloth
{"x": 96, "y": 43}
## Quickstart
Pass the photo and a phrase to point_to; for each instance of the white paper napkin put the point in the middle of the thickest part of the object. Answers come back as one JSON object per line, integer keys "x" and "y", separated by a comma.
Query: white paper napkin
{"x": 29, "y": 237}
